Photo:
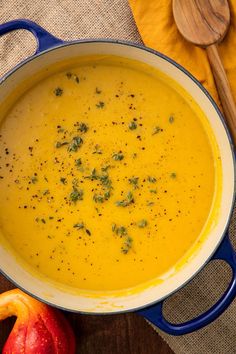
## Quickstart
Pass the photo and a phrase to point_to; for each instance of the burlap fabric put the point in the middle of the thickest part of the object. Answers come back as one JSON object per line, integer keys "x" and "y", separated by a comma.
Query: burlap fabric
{"x": 73, "y": 19}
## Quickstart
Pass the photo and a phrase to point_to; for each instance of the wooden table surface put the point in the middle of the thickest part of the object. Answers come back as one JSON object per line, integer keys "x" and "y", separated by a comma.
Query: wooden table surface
{"x": 116, "y": 334}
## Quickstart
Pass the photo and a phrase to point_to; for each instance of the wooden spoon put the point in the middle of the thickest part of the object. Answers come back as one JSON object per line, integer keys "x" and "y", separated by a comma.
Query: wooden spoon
{"x": 205, "y": 23}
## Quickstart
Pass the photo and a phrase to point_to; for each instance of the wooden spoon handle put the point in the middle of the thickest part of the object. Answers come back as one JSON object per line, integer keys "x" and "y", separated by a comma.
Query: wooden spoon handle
{"x": 223, "y": 89}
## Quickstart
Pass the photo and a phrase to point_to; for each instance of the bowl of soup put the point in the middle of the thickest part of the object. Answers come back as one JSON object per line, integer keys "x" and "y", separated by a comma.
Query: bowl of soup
{"x": 116, "y": 178}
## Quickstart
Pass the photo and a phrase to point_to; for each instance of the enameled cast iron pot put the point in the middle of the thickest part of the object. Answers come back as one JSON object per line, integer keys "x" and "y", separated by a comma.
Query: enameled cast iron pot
{"x": 149, "y": 301}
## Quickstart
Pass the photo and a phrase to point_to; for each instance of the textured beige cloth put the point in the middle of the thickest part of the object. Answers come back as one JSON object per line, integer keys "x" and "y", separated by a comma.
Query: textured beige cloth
{"x": 73, "y": 19}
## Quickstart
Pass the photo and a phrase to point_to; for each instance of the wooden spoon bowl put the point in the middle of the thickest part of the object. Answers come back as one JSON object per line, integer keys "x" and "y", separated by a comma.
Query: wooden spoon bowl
{"x": 205, "y": 23}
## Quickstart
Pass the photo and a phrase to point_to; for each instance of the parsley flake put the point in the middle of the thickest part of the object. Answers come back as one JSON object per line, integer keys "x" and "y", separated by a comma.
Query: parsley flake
{"x": 97, "y": 150}
{"x": 134, "y": 182}
{"x": 119, "y": 230}
{"x": 78, "y": 162}
{"x": 117, "y": 156}
{"x": 100, "y": 104}
{"x": 58, "y": 91}
{"x": 157, "y": 130}
{"x": 63, "y": 180}
{"x": 76, "y": 194}
{"x": 142, "y": 223}
{"x": 60, "y": 144}
{"x": 34, "y": 179}
{"x": 98, "y": 198}
{"x": 152, "y": 179}
{"x": 154, "y": 191}
{"x": 132, "y": 125}
{"x": 79, "y": 226}
{"x": 125, "y": 202}
{"x": 127, "y": 245}
{"x": 83, "y": 128}
{"x": 75, "y": 144}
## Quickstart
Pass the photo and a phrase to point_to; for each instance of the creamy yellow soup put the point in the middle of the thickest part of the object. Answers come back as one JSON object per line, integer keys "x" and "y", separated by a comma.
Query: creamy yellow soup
{"x": 107, "y": 174}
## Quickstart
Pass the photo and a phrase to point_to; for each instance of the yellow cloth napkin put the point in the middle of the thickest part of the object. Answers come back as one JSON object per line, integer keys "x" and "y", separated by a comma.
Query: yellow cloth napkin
{"x": 157, "y": 28}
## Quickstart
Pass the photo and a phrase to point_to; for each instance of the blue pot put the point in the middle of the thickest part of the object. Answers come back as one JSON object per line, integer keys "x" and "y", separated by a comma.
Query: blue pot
{"x": 147, "y": 302}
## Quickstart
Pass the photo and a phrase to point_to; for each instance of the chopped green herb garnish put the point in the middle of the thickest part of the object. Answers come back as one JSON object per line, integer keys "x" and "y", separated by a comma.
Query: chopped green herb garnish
{"x": 79, "y": 226}
{"x": 119, "y": 230}
{"x": 34, "y": 179}
{"x": 63, "y": 180}
{"x": 154, "y": 191}
{"x": 75, "y": 77}
{"x": 142, "y": 223}
{"x": 76, "y": 194}
{"x": 97, "y": 150}
{"x": 60, "y": 144}
{"x": 132, "y": 125}
{"x": 151, "y": 179}
{"x": 93, "y": 175}
{"x": 83, "y": 128}
{"x": 105, "y": 181}
{"x": 122, "y": 232}
{"x": 156, "y": 130}
{"x": 78, "y": 162}
{"x": 75, "y": 144}
{"x": 105, "y": 168}
{"x": 173, "y": 175}
{"x": 75, "y": 182}
{"x": 98, "y": 198}
{"x": 100, "y": 104}
{"x": 134, "y": 182}
{"x": 171, "y": 119}
{"x": 127, "y": 245}
{"x": 43, "y": 221}
{"x": 107, "y": 195}
{"x": 46, "y": 191}
{"x": 125, "y": 202}
{"x": 58, "y": 91}
{"x": 117, "y": 156}
{"x": 60, "y": 130}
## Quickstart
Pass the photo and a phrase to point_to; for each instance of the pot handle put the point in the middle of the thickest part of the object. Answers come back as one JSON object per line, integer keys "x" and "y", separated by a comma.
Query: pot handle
{"x": 154, "y": 313}
{"x": 44, "y": 39}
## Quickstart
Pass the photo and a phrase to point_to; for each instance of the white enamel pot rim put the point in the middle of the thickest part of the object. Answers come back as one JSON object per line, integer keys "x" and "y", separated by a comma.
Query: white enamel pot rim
{"x": 149, "y": 296}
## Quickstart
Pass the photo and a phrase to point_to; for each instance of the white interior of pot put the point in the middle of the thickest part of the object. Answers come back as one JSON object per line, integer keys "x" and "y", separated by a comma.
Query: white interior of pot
{"x": 128, "y": 301}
